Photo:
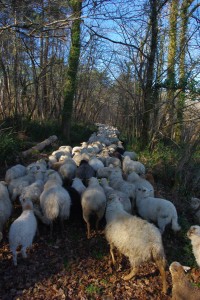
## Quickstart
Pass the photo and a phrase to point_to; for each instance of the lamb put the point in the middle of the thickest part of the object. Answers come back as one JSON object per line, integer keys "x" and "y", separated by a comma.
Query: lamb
{"x": 5, "y": 206}
{"x": 22, "y": 230}
{"x": 123, "y": 198}
{"x": 194, "y": 235}
{"x": 195, "y": 205}
{"x": 15, "y": 172}
{"x": 182, "y": 288}
{"x": 93, "y": 201}
{"x": 129, "y": 166}
{"x": 55, "y": 202}
{"x": 135, "y": 238}
{"x": 32, "y": 191}
{"x": 138, "y": 181}
{"x": 158, "y": 210}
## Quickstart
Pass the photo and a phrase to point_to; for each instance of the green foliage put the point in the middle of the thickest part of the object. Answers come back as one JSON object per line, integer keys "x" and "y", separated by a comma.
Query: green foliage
{"x": 92, "y": 289}
{"x": 9, "y": 147}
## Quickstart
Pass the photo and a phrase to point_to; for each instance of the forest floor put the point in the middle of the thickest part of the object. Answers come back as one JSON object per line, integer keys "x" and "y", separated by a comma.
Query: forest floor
{"x": 70, "y": 266}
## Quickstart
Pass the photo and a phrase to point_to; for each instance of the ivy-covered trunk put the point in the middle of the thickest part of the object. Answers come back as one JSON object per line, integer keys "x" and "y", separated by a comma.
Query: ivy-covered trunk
{"x": 149, "y": 91}
{"x": 73, "y": 62}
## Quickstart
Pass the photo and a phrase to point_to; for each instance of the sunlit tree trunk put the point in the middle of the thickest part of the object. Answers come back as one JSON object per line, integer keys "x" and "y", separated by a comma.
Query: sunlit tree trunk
{"x": 148, "y": 90}
{"x": 182, "y": 68}
{"x": 71, "y": 75}
{"x": 171, "y": 78}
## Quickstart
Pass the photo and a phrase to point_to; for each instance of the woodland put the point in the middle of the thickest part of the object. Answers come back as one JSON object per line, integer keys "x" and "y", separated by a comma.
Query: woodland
{"x": 68, "y": 64}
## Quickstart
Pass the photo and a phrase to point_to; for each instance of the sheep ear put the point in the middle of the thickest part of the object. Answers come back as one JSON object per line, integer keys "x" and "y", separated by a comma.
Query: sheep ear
{"x": 186, "y": 268}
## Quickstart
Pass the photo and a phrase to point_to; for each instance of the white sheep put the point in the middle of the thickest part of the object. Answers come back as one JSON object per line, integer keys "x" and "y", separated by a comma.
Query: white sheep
{"x": 158, "y": 210}
{"x": 138, "y": 181}
{"x": 182, "y": 288}
{"x": 113, "y": 161}
{"x": 129, "y": 166}
{"x": 5, "y": 205}
{"x": 55, "y": 202}
{"x": 22, "y": 230}
{"x": 16, "y": 185}
{"x": 194, "y": 235}
{"x": 32, "y": 191}
{"x": 104, "y": 172}
{"x": 117, "y": 182}
{"x": 68, "y": 170}
{"x": 131, "y": 154}
{"x": 15, "y": 172}
{"x": 93, "y": 201}
{"x": 95, "y": 163}
{"x": 135, "y": 238}
{"x": 78, "y": 185}
{"x": 123, "y": 198}
{"x": 52, "y": 174}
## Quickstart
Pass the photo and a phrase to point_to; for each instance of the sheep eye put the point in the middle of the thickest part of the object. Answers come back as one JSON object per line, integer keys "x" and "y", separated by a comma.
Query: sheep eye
{"x": 139, "y": 189}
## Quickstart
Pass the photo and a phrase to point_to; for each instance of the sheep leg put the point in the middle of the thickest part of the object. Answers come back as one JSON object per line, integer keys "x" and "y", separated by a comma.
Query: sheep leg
{"x": 88, "y": 230}
{"x": 14, "y": 253}
{"x": 23, "y": 252}
{"x": 161, "y": 266}
{"x": 112, "y": 253}
{"x": 131, "y": 274}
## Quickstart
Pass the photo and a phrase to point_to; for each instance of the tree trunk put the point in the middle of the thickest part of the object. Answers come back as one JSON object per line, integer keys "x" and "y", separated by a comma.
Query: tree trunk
{"x": 171, "y": 81}
{"x": 182, "y": 69}
{"x": 70, "y": 86}
{"x": 148, "y": 90}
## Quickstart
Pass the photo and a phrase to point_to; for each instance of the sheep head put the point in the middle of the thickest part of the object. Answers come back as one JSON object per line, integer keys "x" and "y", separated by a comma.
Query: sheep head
{"x": 193, "y": 232}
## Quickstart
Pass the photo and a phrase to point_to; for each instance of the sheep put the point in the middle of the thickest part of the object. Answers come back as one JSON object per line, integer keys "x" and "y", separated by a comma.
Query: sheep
{"x": 182, "y": 288}
{"x": 78, "y": 185}
{"x": 33, "y": 191}
{"x": 124, "y": 199}
{"x": 22, "y": 230}
{"x": 133, "y": 177}
{"x": 158, "y": 210}
{"x": 104, "y": 172}
{"x": 66, "y": 149}
{"x": 78, "y": 157}
{"x": 55, "y": 202}
{"x": 93, "y": 201}
{"x": 95, "y": 163}
{"x": 131, "y": 154}
{"x": 68, "y": 171}
{"x": 52, "y": 174}
{"x": 16, "y": 185}
{"x": 135, "y": 238}
{"x": 113, "y": 161}
{"x": 5, "y": 206}
{"x": 129, "y": 166}
{"x": 117, "y": 182}
{"x": 15, "y": 172}
{"x": 195, "y": 205}
{"x": 85, "y": 171}
{"x": 194, "y": 235}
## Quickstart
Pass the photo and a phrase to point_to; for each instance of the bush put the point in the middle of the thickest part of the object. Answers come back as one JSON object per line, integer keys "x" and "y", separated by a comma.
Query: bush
{"x": 10, "y": 147}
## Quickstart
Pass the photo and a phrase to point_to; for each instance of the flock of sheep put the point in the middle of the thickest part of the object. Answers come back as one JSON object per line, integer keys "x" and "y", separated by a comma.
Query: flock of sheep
{"x": 98, "y": 178}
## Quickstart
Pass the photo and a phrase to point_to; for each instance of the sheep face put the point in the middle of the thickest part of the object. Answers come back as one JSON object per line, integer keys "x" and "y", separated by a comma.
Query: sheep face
{"x": 143, "y": 192}
{"x": 193, "y": 231}
{"x": 195, "y": 203}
